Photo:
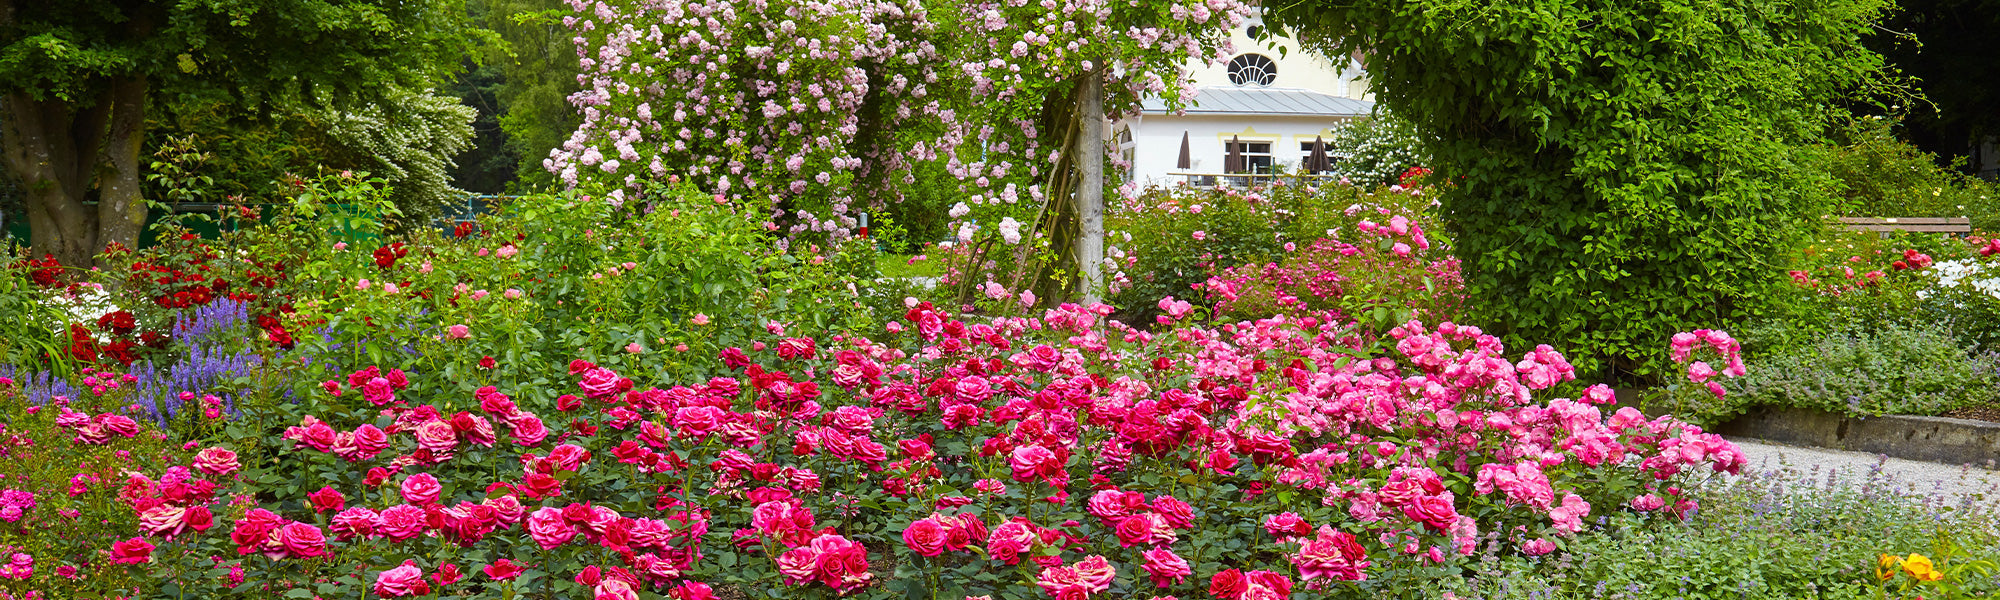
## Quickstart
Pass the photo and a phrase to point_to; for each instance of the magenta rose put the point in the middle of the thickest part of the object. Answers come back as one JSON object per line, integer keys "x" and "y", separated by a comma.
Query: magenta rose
{"x": 925, "y": 537}
{"x": 132, "y": 551}
{"x": 1435, "y": 511}
{"x": 302, "y": 540}
{"x": 842, "y": 562}
{"x": 599, "y": 382}
{"x": 119, "y": 424}
{"x": 1177, "y": 513}
{"x": 698, "y": 420}
{"x": 569, "y": 457}
{"x": 1033, "y": 462}
{"x": 421, "y": 488}
{"x": 1165, "y": 567}
{"x": 402, "y": 522}
{"x": 327, "y": 499}
{"x": 614, "y": 589}
{"x": 549, "y": 528}
{"x": 319, "y": 436}
{"x": 163, "y": 520}
{"x": 406, "y": 580}
{"x": 369, "y": 440}
{"x": 1009, "y": 540}
{"x": 254, "y": 529}
{"x": 798, "y": 565}
{"x": 378, "y": 391}
{"x": 355, "y": 522}
{"x": 1285, "y": 525}
{"x": 529, "y": 430}
{"x": 504, "y": 570}
{"x": 1134, "y": 530}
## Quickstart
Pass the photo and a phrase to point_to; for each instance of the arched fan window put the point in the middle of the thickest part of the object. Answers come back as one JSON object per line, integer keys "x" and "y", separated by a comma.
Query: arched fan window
{"x": 1252, "y": 69}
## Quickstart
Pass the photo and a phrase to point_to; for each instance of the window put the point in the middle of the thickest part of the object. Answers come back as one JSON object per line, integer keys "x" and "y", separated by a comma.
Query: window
{"x": 1256, "y": 156}
{"x": 1252, "y": 69}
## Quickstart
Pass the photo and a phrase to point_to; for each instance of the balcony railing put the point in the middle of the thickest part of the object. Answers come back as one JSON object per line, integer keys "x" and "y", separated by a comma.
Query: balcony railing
{"x": 1245, "y": 180}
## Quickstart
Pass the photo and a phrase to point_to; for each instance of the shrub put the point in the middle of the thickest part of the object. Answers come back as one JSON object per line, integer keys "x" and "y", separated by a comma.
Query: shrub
{"x": 1390, "y": 274}
{"x": 1169, "y": 242}
{"x": 1882, "y": 176}
{"x": 63, "y": 469}
{"x": 29, "y": 335}
{"x": 1777, "y": 534}
{"x": 1376, "y": 151}
{"x": 1613, "y": 183}
{"x": 1914, "y": 369}
{"x": 1026, "y": 453}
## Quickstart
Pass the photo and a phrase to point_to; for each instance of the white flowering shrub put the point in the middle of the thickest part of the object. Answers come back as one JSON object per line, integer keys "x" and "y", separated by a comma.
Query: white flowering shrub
{"x": 411, "y": 142}
{"x": 1375, "y": 150}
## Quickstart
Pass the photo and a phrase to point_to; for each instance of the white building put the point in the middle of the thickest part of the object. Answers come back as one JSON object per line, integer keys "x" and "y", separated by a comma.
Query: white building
{"x": 1274, "y": 102}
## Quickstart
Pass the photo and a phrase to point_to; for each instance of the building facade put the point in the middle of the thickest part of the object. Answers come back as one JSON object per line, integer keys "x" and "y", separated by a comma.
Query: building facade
{"x": 1269, "y": 103}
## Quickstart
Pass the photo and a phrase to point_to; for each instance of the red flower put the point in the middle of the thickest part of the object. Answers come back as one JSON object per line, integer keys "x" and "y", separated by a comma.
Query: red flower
{"x": 198, "y": 518}
{"x": 447, "y": 574}
{"x": 82, "y": 346}
{"x": 327, "y": 499}
{"x": 132, "y": 551}
{"x": 1227, "y": 585}
{"x": 120, "y": 351}
{"x": 280, "y": 337}
{"x": 376, "y": 476}
{"x": 538, "y": 485}
{"x": 119, "y": 322}
{"x": 925, "y": 537}
{"x": 386, "y": 256}
{"x": 504, "y": 570}
{"x": 691, "y": 590}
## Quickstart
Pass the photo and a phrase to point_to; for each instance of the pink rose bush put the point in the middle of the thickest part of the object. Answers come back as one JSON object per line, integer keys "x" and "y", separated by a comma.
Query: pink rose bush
{"x": 1086, "y": 458}
{"x": 1377, "y": 274}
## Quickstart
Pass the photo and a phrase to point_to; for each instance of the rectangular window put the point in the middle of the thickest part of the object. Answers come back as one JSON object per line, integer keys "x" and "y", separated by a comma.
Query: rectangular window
{"x": 1256, "y": 156}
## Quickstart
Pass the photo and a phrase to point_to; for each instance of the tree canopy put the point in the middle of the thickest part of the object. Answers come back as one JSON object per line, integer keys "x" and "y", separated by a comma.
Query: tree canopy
{"x": 77, "y": 78}
{"x": 1614, "y": 170}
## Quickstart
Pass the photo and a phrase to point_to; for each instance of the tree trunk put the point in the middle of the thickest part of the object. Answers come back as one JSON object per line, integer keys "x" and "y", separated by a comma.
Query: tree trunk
{"x": 62, "y": 155}
{"x": 1090, "y": 185}
{"x": 121, "y": 211}
{"x": 39, "y": 147}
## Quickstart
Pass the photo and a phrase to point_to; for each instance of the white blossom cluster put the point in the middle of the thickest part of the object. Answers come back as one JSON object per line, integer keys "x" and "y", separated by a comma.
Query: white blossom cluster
{"x": 412, "y": 144}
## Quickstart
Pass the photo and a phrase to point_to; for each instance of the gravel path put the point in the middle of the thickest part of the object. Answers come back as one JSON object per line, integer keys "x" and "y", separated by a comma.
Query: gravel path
{"x": 1982, "y": 484}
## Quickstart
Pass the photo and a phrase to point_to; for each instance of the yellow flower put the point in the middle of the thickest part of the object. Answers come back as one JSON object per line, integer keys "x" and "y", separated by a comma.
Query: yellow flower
{"x": 1889, "y": 564}
{"x": 1919, "y": 566}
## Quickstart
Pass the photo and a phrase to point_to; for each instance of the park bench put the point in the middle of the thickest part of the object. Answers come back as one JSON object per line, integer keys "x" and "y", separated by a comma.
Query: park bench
{"x": 1952, "y": 225}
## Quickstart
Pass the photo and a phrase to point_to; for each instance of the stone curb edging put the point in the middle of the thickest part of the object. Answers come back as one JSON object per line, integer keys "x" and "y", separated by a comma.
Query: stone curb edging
{"x": 1935, "y": 439}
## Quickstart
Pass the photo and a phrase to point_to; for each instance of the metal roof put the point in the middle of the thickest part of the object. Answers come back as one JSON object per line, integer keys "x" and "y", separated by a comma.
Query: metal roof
{"x": 1265, "y": 101}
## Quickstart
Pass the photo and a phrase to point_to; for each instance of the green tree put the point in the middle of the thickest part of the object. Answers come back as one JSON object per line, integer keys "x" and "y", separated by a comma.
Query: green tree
{"x": 1620, "y": 170}
{"x": 521, "y": 86}
{"x": 538, "y": 69}
{"x": 77, "y": 78}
